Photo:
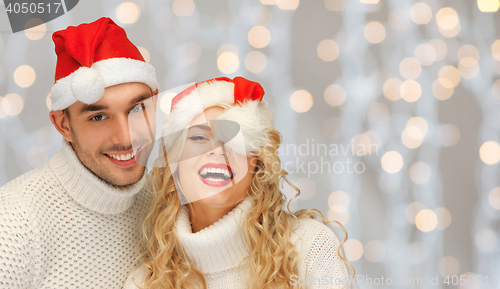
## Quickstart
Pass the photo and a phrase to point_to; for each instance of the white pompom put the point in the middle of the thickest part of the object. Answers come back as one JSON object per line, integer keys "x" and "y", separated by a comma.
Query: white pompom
{"x": 87, "y": 85}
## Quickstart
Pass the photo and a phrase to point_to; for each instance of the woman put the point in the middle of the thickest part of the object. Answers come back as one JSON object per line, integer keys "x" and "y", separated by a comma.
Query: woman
{"x": 218, "y": 218}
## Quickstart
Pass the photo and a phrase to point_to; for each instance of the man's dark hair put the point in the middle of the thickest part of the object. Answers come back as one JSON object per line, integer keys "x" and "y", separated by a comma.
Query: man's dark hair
{"x": 66, "y": 112}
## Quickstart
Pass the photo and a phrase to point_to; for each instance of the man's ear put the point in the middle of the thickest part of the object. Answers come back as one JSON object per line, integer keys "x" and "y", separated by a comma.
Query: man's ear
{"x": 61, "y": 122}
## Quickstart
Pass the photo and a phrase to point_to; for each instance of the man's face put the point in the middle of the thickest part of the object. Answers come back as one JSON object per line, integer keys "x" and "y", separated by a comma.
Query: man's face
{"x": 108, "y": 135}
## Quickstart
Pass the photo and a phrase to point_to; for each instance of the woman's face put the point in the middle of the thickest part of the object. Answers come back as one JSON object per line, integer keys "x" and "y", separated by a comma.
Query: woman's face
{"x": 209, "y": 172}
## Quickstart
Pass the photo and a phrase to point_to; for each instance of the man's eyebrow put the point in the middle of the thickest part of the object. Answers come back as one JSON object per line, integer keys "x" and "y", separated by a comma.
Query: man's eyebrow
{"x": 141, "y": 97}
{"x": 98, "y": 107}
{"x": 93, "y": 107}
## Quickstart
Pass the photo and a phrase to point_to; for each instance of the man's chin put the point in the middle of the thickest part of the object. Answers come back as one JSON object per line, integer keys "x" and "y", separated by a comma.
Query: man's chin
{"x": 123, "y": 178}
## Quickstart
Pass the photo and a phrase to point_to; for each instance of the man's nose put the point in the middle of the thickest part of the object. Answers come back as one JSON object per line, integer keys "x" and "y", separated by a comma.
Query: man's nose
{"x": 121, "y": 131}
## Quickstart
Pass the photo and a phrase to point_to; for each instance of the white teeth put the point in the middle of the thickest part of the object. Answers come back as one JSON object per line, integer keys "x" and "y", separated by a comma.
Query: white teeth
{"x": 205, "y": 171}
{"x": 124, "y": 157}
{"x": 214, "y": 180}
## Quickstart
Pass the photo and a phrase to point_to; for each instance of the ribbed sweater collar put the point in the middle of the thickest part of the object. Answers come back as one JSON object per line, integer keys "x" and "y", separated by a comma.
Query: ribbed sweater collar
{"x": 87, "y": 189}
{"x": 219, "y": 247}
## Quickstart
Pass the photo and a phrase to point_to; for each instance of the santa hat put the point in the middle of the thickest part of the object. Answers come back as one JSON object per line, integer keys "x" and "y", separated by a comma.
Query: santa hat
{"x": 93, "y": 56}
{"x": 242, "y": 103}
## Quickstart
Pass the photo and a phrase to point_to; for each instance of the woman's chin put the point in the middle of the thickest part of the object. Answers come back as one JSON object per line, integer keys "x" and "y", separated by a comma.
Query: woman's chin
{"x": 219, "y": 200}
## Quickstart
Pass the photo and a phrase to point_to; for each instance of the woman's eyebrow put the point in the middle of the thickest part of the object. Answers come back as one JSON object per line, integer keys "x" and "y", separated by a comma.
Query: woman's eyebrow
{"x": 200, "y": 126}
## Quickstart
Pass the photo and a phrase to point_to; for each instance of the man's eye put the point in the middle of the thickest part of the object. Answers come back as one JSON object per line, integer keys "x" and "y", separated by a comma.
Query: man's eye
{"x": 98, "y": 117}
{"x": 137, "y": 108}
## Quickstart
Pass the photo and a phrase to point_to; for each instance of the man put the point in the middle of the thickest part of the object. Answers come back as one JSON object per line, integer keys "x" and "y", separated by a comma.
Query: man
{"x": 75, "y": 222}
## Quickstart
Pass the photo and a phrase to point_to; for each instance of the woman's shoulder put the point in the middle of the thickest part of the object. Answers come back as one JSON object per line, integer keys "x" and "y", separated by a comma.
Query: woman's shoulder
{"x": 306, "y": 228}
{"x": 136, "y": 278}
{"x": 313, "y": 239}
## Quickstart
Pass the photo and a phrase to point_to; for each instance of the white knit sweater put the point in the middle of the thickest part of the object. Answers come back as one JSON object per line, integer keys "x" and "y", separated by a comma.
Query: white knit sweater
{"x": 218, "y": 249}
{"x": 62, "y": 227}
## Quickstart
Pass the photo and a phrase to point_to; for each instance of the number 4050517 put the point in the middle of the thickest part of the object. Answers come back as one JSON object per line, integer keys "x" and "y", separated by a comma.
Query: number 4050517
{"x": 33, "y": 8}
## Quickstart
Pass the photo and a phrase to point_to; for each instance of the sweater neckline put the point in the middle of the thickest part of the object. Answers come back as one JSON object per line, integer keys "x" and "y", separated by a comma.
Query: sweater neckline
{"x": 86, "y": 188}
{"x": 219, "y": 247}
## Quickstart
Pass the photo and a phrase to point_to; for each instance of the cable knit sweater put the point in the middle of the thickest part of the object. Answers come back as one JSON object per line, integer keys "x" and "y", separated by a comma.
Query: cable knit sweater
{"x": 62, "y": 227}
{"x": 218, "y": 249}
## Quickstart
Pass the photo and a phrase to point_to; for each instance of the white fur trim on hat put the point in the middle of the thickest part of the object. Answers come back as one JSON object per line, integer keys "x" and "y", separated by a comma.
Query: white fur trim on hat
{"x": 254, "y": 118}
{"x": 87, "y": 84}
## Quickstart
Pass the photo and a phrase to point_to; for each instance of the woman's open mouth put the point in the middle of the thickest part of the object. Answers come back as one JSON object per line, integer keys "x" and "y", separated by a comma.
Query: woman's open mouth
{"x": 216, "y": 175}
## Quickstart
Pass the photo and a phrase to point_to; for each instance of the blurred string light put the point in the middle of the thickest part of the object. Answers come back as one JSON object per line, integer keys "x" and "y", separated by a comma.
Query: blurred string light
{"x": 490, "y": 152}
{"x": 392, "y": 162}
{"x": 48, "y": 102}
{"x": 485, "y": 239}
{"x": 255, "y": 62}
{"x": 426, "y": 220}
{"x": 488, "y": 5}
{"x": 288, "y": 4}
{"x": 448, "y": 266}
{"x": 425, "y": 54}
{"x": 166, "y": 101}
{"x": 335, "y": 5}
{"x": 448, "y": 22}
{"x": 183, "y": 8}
{"x": 328, "y": 50}
{"x": 410, "y": 90}
{"x": 335, "y": 95}
{"x": 353, "y": 249}
{"x": 420, "y": 173}
{"x": 374, "y": 32}
{"x": 301, "y": 101}
{"x": 24, "y": 76}
{"x": 342, "y": 217}
{"x": 421, "y": 13}
{"x": 227, "y": 59}
{"x": 261, "y": 15}
{"x": 338, "y": 201}
{"x": 444, "y": 218}
{"x": 12, "y": 104}
{"x": 259, "y": 37}
{"x": 494, "y": 198}
{"x": 128, "y": 13}
{"x": 37, "y": 30}
{"x": 410, "y": 68}
{"x": 283, "y": 4}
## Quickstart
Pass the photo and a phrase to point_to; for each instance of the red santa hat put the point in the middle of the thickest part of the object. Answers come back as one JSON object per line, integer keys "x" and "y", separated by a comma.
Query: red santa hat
{"x": 93, "y": 56}
{"x": 242, "y": 103}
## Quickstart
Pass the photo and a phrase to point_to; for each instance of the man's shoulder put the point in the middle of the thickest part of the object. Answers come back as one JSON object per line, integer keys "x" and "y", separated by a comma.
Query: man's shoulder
{"x": 24, "y": 180}
{"x": 29, "y": 187}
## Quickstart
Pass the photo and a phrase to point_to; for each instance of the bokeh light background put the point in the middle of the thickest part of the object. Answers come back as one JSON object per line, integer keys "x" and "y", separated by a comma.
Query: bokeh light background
{"x": 416, "y": 83}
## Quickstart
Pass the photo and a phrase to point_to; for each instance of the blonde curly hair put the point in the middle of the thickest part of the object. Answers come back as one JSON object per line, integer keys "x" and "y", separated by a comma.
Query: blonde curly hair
{"x": 272, "y": 259}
